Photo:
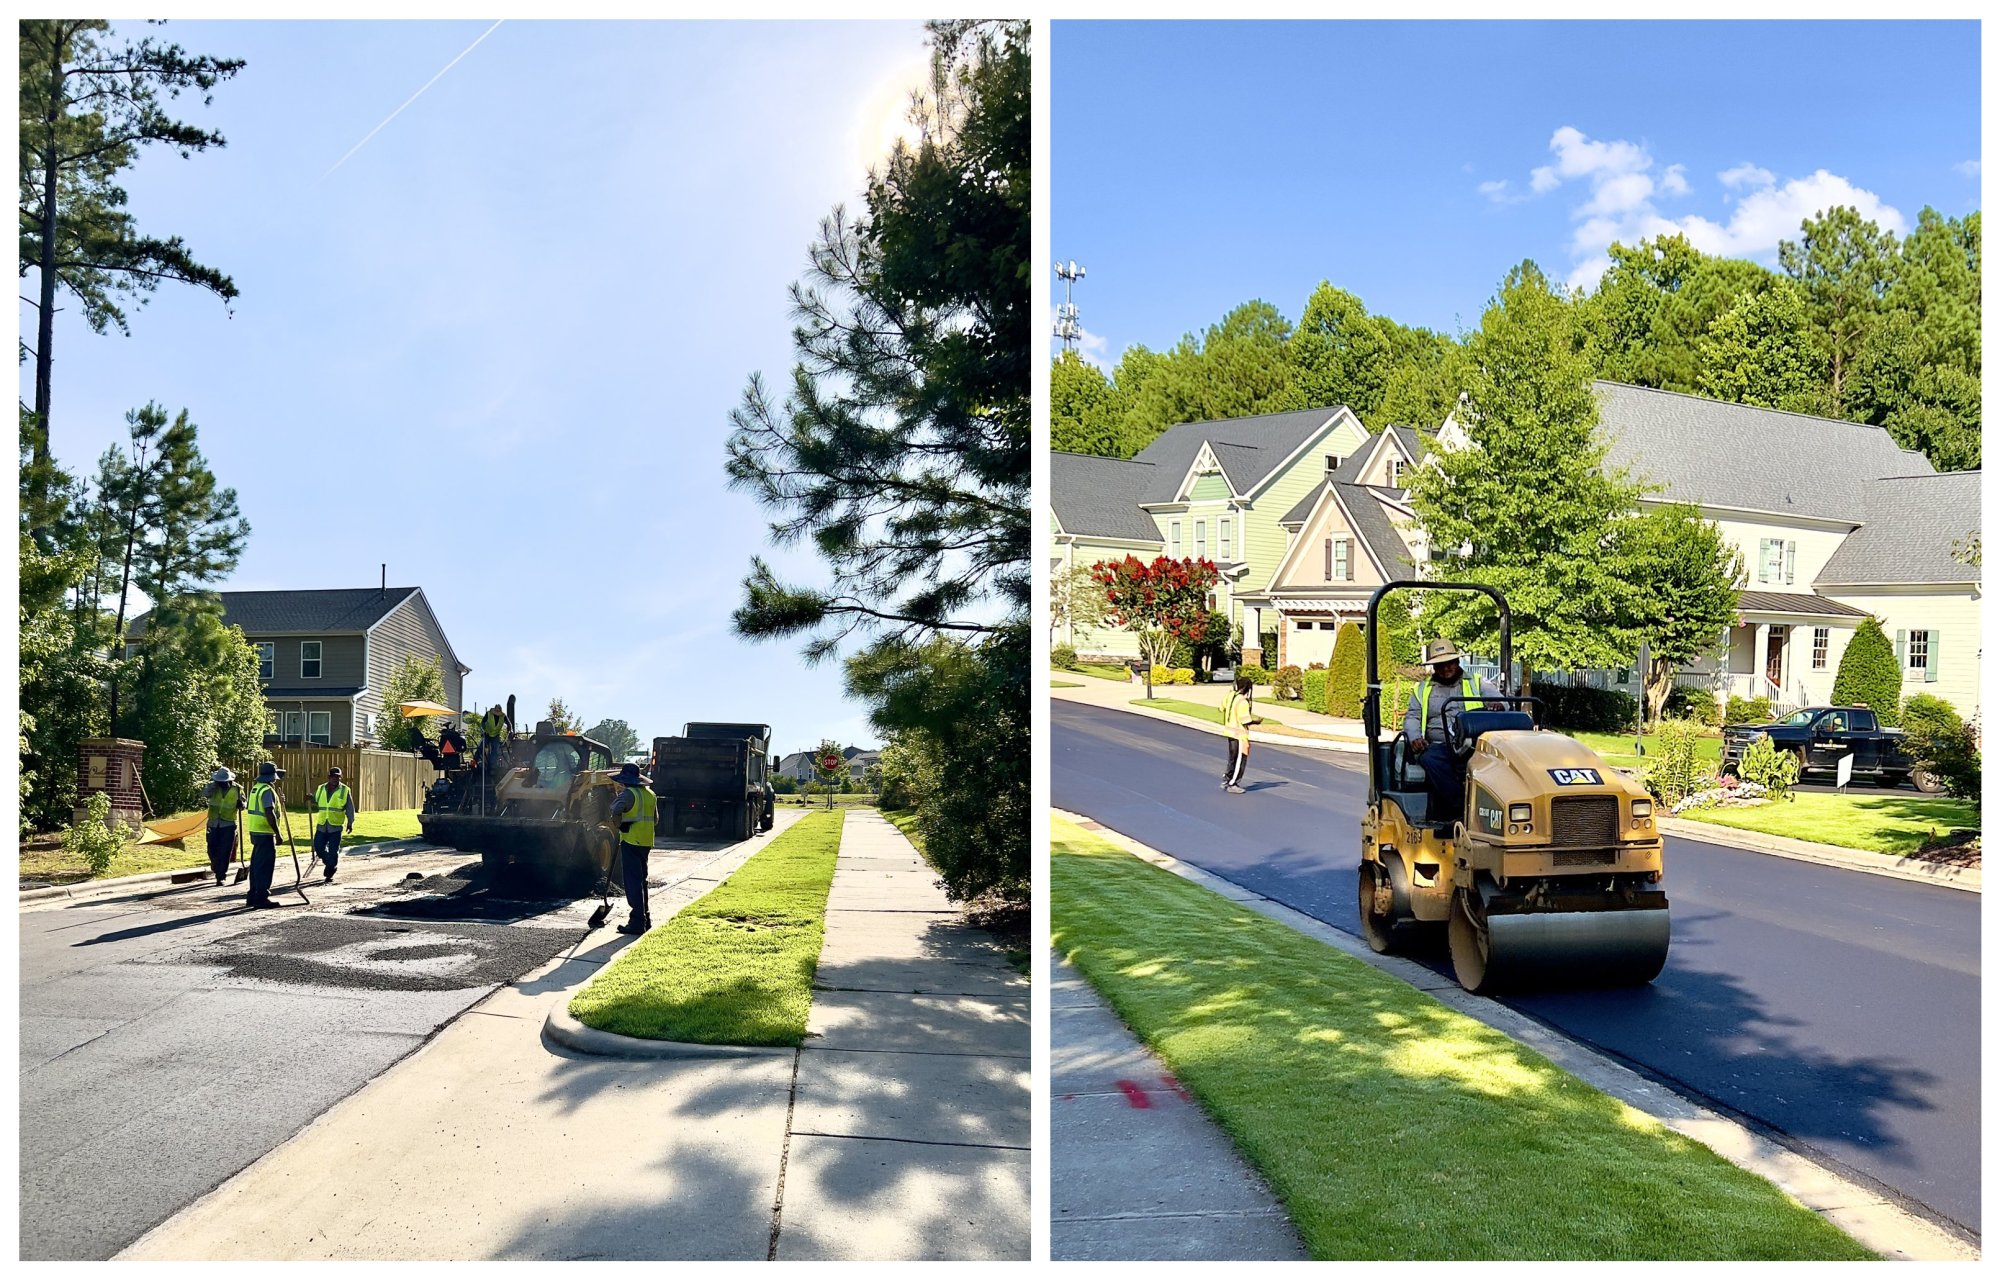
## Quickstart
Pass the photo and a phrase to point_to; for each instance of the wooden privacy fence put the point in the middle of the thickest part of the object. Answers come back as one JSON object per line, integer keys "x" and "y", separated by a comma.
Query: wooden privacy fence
{"x": 380, "y": 780}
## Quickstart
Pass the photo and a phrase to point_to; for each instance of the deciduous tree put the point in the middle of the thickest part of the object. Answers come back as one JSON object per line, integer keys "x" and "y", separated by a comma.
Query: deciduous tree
{"x": 1165, "y": 602}
{"x": 1684, "y": 578}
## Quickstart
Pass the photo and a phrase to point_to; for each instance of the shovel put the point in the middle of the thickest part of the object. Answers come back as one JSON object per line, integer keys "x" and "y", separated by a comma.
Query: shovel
{"x": 242, "y": 864}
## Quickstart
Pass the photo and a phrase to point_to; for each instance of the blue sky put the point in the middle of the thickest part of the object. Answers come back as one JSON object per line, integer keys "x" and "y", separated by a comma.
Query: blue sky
{"x": 536, "y": 293}
{"x": 1199, "y": 165}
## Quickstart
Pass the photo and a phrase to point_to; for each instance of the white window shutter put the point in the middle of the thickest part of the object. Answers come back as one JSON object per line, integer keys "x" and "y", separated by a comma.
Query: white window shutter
{"x": 1763, "y": 560}
{"x": 1791, "y": 548}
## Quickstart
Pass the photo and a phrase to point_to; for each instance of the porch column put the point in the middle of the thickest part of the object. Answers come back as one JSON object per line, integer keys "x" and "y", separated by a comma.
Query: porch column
{"x": 1760, "y": 649}
{"x": 1253, "y": 648}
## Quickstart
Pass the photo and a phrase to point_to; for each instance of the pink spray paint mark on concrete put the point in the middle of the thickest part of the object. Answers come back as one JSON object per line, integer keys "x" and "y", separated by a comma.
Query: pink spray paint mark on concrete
{"x": 1135, "y": 1094}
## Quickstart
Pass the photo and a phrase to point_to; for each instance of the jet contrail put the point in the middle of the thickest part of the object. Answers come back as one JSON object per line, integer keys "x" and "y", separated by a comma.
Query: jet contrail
{"x": 413, "y": 97}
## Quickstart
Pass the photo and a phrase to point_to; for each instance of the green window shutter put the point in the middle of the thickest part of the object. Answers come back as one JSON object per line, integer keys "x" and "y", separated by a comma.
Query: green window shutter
{"x": 1931, "y": 657}
{"x": 1763, "y": 560}
{"x": 1902, "y": 652}
{"x": 1791, "y": 549}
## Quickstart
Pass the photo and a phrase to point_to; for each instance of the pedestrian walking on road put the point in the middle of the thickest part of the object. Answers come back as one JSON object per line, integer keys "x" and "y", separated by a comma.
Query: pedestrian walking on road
{"x": 333, "y": 801}
{"x": 1237, "y": 719}
{"x": 635, "y": 809}
{"x": 265, "y": 813}
{"x": 225, "y": 804}
{"x": 1424, "y": 727}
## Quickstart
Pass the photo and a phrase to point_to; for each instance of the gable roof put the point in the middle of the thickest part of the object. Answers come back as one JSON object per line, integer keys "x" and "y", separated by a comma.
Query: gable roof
{"x": 1372, "y": 524}
{"x": 1741, "y": 456}
{"x": 327, "y": 611}
{"x": 1912, "y": 522}
{"x": 1101, "y": 496}
{"x": 1249, "y": 449}
{"x": 1412, "y": 441}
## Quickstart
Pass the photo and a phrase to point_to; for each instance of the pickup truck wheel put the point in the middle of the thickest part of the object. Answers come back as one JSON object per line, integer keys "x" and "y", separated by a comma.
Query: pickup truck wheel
{"x": 1926, "y": 781}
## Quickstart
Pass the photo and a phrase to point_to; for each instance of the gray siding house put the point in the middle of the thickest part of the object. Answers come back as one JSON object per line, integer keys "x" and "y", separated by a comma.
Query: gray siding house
{"x": 325, "y": 656}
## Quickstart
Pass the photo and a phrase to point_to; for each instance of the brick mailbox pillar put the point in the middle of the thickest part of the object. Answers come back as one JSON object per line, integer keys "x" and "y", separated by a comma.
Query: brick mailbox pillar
{"x": 111, "y": 766}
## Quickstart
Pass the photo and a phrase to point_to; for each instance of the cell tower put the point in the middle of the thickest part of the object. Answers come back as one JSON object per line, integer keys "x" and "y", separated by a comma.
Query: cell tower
{"x": 1068, "y": 328}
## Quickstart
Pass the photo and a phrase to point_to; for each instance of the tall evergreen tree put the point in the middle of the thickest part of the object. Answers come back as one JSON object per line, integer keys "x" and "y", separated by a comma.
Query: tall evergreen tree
{"x": 1842, "y": 262}
{"x": 90, "y": 105}
{"x": 1086, "y": 413}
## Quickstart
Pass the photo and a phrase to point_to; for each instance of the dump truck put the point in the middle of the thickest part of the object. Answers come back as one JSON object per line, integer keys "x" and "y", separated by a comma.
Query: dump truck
{"x": 714, "y": 778}
{"x": 1550, "y": 875}
{"x": 536, "y": 808}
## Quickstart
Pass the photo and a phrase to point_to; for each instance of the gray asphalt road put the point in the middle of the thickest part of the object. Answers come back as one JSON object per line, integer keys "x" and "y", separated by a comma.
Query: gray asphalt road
{"x": 168, "y": 1039}
{"x": 1837, "y": 1008}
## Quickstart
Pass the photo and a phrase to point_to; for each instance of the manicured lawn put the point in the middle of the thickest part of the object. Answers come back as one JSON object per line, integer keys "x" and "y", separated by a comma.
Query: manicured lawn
{"x": 1616, "y": 749}
{"x": 736, "y": 966}
{"x": 1200, "y": 711}
{"x": 1391, "y": 1126}
{"x": 848, "y": 799}
{"x": 1885, "y": 822}
{"x": 1103, "y": 671}
{"x": 1056, "y": 684}
{"x": 56, "y": 867}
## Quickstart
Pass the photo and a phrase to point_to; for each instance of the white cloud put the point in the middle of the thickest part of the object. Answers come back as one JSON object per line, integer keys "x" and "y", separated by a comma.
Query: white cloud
{"x": 1500, "y": 192}
{"x": 1968, "y": 168}
{"x": 1624, "y": 191}
{"x": 1746, "y": 175}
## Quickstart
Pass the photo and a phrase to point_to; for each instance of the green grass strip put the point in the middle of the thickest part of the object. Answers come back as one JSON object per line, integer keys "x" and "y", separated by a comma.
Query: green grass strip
{"x": 735, "y": 967}
{"x": 1886, "y": 822}
{"x": 1200, "y": 711}
{"x": 1391, "y": 1126}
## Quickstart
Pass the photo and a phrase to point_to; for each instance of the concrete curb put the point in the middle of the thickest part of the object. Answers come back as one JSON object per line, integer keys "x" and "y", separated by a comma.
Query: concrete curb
{"x": 1256, "y": 736}
{"x": 91, "y": 889}
{"x": 1901, "y": 867}
{"x": 1866, "y": 1215}
{"x": 560, "y": 1028}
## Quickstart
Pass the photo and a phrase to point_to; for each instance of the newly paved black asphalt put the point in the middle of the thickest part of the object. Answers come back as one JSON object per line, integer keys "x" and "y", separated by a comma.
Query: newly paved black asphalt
{"x": 1838, "y": 1008}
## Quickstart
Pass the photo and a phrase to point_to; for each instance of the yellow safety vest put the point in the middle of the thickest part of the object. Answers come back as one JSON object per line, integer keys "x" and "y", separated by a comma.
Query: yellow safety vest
{"x": 223, "y": 805}
{"x": 635, "y": 826}
{"x": 1424, "y": 706}
{"x": 1233, "y": 715}
{"x": 332, "y": 806}
{"x": 260, "y": 825}
{"x": 495, "y": 724}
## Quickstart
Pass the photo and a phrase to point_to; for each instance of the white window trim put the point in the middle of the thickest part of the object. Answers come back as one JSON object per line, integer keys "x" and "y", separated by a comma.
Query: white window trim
{"x": 1174, "y": 539}
{"x": 320, "y": 660}
{"x": 1201, "y": 540}
{"x": 1224, "y": 527}
{"x": 1822, "y": 647}
{"x": 312, "y": 735}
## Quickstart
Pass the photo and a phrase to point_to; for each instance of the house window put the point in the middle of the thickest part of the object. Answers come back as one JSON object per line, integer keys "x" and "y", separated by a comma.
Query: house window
{"x": 267, "y": 660}
{"x": 309, "y": 660}
{"x": 1174, "y": 539}
{"x": 1330, "y": 627}
{"x": 1820, "y": 637}
{"x": 295, "y": 725}
{"x": 1304, "y": 625}
{"x": 1222, "y": 543}
{"x": 319, "y": 728}
{"x": 1775, "y": 558}
{"x": 1920, "y": 655}
{"x": 1332, "y": 463}
{"x": 1201, "y": 540}
{"x": 1343, "y": 560}
{"x": 1395, "y": 471}
{"x": 1211, "y": 602}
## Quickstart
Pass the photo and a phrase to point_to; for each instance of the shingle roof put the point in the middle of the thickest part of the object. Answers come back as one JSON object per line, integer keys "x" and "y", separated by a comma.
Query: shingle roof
{"x": 1375, "y": 527}
{"x": 1249, "y": 449}
{"x": 1413, "y": 442}
{"x": 328, "y": 610}
{"x": 1912, "y": 523}
{"x": 1101, "y": 496}
{"x": 1303, "y": 508}
{"x": 1795, "y": 603}
{"x": 1723, "y": 455}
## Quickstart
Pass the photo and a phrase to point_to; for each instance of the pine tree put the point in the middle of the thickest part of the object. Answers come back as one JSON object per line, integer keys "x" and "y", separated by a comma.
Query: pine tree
{"x": 1347, "y": 674}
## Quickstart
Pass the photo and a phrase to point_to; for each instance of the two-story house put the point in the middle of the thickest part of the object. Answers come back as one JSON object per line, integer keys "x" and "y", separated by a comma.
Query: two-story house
{"x": 325, "y": 655}
{"x": 1217, "y": 491}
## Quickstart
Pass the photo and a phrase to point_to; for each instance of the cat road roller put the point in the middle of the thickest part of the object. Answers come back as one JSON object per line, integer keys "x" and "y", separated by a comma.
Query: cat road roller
{"x": 1551, "y": 875}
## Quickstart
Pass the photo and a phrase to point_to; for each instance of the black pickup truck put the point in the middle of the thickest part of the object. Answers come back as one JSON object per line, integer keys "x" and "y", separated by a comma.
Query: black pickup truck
{"x": 1820, "y": 736}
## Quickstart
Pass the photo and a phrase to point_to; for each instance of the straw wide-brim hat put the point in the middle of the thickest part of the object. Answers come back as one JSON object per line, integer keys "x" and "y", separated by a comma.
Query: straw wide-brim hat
{"x": 1439, "y": 651}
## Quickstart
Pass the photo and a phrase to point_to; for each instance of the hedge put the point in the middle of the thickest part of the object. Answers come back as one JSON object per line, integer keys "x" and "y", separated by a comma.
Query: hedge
{"x": 1578, "y": 707}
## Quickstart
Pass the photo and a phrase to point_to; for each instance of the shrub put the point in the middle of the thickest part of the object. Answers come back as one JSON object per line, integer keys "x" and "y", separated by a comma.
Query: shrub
{"x": 1269, "y": 642}
{"x": 1063, "y": 657}
{"x": 1747, "y": 711}
{"x": 1180, "y": 655}
{"x": 1173, "y": 676}
{"x": 1673, "y": 771}
{"x": 1347, "y": 683}
{"x": 1258, "y": 675}
{"x": 1944, "y": 743}
{"x": 1313, "y": 688}
{"x": 96, "y": 840}
{"x": 1763, "y": 764}
{"x": 1868, "y": 674}
{"x": 1693, "y": 703}
{"x": 1286, "y": 682}
{"x": 1578, "y": 707}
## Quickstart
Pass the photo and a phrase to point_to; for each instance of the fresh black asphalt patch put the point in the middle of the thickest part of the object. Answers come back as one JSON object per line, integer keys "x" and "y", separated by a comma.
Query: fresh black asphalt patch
{"x": 385, "y": 956}
{"x": 464, "y": 893}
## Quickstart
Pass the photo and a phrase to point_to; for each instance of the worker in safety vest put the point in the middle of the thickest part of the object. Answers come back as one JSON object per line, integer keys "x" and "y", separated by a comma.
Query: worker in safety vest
{"x": 225, "y": 805}
{"x": 1424, "y": 726}
{"x": 266, "y": 811}
{"x": 635, "y": 809}
{"x": 333, "y": 804}
{"x": 1237, "y": 718}
{"x": 495, "y": 729}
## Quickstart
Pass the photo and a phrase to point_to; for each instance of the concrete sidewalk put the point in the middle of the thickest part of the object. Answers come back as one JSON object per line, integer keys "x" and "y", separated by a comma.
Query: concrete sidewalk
{"x": 1341, "y": 735}
{"x": 1136, "y": 1168}
{"x": 488, "y": 1143}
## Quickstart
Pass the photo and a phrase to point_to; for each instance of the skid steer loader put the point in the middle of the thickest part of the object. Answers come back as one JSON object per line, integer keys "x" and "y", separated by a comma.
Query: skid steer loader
{"x": 1551, "y": 875}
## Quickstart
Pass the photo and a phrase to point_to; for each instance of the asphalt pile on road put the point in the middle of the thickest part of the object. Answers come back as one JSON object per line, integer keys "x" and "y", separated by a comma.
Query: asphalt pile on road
{"x": 384, "y": 956}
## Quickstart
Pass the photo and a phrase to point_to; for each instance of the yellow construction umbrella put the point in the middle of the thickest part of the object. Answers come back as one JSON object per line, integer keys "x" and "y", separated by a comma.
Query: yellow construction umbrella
{"x": 419, "y": 707}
